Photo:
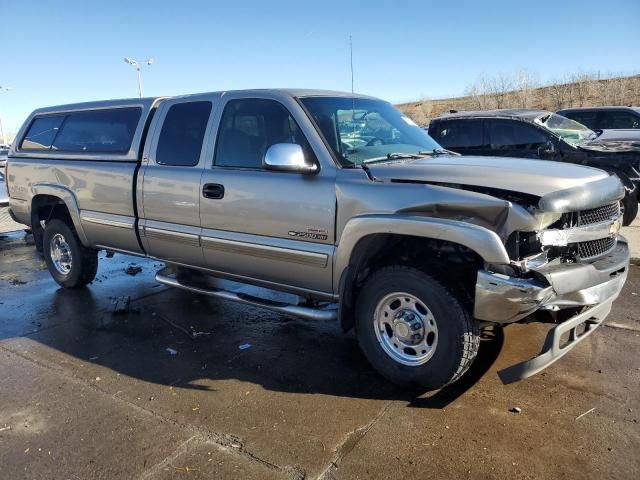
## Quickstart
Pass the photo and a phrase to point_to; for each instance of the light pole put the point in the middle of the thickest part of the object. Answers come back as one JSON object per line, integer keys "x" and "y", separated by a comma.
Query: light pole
{"x": 2, "y": 89}
{"x": 137, "y": 64}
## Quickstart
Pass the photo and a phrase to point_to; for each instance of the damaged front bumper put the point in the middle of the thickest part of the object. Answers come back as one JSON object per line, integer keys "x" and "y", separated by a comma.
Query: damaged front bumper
{"x": 503, "y": 299}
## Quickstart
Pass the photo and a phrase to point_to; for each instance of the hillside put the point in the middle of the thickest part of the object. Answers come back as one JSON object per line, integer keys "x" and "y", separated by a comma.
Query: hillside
{"x": 500, "y": 92}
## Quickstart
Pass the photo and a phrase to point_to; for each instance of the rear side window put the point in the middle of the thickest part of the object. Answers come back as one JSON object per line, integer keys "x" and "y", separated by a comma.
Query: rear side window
{"x": 586, "y": 118}
{"x": 506, "y": 134}
{"x": 618, "y": 120}
{"x": 459, "y": 133}
{"x": 100, "y": 131}
{"x": 182, "y": 134}
{"x": 41, "y": 133}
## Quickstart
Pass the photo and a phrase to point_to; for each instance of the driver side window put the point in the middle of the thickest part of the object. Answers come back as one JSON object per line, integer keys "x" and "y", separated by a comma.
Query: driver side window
{"x": 249, "y": 127}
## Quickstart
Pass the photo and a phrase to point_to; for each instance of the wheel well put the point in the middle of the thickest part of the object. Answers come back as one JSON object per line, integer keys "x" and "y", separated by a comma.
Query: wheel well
{"x": 48, "y": 207}
{"x": 432, "y": 256}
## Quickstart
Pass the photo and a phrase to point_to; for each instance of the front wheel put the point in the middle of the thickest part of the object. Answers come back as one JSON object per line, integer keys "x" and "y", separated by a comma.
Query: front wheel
{"x": 70, "y": 263}
{"x": 413, "y": 331}
{"x": 629, "y": 206}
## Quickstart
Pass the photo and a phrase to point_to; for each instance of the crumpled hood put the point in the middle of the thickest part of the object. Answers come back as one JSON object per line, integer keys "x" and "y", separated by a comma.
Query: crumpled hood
{"x": 533, "y": 177}
{"x": 614, "y": 141}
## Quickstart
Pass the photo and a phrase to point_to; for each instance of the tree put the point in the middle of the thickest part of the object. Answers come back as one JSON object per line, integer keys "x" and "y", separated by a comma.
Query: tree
{"x": 478, "y": 93}
{"x": 561, "y": 92}
{"x": 524, "y": 85}
{"x": 602, "y": 90}
{"x": 582, "y": 87}
{"x": 618, "y": 91}
{"x": 499, "y": 87}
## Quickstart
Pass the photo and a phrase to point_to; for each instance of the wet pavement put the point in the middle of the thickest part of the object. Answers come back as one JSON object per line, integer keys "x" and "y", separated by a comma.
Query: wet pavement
{"x": 130, "y": 379}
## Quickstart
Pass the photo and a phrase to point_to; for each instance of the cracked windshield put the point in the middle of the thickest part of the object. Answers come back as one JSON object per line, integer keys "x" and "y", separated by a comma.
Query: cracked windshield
{"x": 569, "y": 130}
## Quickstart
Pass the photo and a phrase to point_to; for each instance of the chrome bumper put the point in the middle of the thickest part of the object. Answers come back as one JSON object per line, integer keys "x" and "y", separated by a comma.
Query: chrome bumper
{"x": 502, "y": 299}
{"x": 552, "y": 348}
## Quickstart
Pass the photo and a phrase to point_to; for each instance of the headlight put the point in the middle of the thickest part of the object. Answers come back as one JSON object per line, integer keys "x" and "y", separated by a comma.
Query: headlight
{"x": 553, "y": 238}
{"x": 545, "y": 219}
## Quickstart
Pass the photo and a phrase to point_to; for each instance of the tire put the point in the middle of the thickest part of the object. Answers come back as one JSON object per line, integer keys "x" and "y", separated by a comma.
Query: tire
{"x": 449, "y": 337}
{"x": 629, "y": 206}
{"x": 70, "y": 263}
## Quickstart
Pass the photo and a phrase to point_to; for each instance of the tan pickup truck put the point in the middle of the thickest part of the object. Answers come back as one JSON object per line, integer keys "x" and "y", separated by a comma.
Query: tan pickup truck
{"x": 337, "y": 198}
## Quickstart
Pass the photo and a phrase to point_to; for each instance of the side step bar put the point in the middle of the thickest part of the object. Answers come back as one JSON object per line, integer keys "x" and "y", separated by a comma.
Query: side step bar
{"x": 280, "y": 307}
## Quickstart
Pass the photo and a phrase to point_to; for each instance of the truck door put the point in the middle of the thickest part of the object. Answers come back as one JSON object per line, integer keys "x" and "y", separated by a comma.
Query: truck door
{"x": 275, "y": 227}
{"x": 169, "y": 200}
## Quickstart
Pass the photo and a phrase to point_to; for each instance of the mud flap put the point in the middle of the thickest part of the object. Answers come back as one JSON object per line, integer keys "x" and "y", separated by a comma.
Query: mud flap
{"x": 552, "y": 349}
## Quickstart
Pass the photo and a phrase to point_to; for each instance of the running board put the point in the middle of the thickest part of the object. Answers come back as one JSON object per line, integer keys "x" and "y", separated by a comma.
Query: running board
{"x": 280, "y": 307}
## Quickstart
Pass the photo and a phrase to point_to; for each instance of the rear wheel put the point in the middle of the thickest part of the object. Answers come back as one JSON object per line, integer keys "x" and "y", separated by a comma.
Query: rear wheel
{"x": 70, "y": 263}
{"x": 629, "y": 206}
{"x": 413, "y": 330}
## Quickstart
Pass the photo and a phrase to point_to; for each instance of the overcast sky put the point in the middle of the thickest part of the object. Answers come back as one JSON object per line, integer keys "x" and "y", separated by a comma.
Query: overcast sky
{"x": 70, "y": 51}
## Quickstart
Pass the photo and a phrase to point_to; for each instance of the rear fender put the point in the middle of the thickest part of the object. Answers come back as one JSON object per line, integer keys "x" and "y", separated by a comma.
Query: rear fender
{"x": 70, "y": 201}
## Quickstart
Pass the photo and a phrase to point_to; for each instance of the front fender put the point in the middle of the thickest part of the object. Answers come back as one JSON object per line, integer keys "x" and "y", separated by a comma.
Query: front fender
{"x": 483, "y": 241}
{"x": 70, "y": 201}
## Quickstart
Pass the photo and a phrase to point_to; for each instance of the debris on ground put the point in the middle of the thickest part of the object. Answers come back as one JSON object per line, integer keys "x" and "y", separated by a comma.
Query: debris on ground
{"x": 244, "y": 346}
{"x": 121, "y": 305}
{"x": 171, "y": 351}
{"x": 185, "y": 469}
{"x": 175, "y": 325}
{"x": 5, "y": 428}
{"x": 515, "y": 410}
{"x": 133, "y": 270}
{"x": 195, "y": 334}
{"x": 585, "y": 413}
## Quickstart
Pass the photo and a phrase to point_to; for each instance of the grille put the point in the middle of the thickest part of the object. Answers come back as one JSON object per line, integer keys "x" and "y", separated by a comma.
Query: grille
{"x": 595, "y": 248}
{"x": 598, "y": 215}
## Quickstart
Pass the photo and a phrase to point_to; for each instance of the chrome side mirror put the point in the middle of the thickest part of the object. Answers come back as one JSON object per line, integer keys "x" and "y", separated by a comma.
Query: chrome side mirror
{"x": 287, "y": 157}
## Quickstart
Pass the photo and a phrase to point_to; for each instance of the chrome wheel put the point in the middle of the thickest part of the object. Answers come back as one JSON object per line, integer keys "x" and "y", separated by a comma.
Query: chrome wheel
{"x": 406, "y": 329}
{"x": 60, "y": 253}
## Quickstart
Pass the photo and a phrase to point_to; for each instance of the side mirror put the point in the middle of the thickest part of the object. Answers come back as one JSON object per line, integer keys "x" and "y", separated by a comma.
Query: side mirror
{"x": 287, "y": 157}
{"x": 548, "y": 148}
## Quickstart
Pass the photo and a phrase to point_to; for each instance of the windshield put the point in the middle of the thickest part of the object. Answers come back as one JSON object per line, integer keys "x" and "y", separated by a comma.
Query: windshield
{"x": 567, "y": 129}
{"x": 358, "y": 129}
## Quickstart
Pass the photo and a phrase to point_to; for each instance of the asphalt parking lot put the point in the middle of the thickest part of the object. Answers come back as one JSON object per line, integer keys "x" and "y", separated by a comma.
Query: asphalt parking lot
{"x": 128, "y": 379}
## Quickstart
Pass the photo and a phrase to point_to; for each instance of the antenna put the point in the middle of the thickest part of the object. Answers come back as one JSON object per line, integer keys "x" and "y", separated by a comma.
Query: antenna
{"x": 353, "y": 99}
{"x": 351, "y": 60}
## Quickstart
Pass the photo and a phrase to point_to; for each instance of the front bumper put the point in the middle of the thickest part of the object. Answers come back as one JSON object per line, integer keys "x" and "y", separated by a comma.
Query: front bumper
{"x": 502, "y": 299}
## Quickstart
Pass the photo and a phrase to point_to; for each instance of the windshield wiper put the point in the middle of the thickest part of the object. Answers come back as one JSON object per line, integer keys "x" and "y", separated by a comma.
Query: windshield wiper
{"x": 394, "y": 156}
{"x": 439, "y": 151}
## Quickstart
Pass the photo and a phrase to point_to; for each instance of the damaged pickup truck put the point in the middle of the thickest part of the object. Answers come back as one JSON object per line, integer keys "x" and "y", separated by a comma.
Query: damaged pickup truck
{"x": 338, "y": 199}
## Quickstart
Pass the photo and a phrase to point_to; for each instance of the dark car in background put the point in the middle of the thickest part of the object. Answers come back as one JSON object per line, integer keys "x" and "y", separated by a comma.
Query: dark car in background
{"x": 601, "y": 118}
{"x": 543, "y": 135}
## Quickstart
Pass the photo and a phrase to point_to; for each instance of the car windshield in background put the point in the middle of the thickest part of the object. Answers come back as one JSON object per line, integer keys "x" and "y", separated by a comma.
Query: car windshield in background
{"x": 567, "y": 129}
{"x": 359, "y": 130}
